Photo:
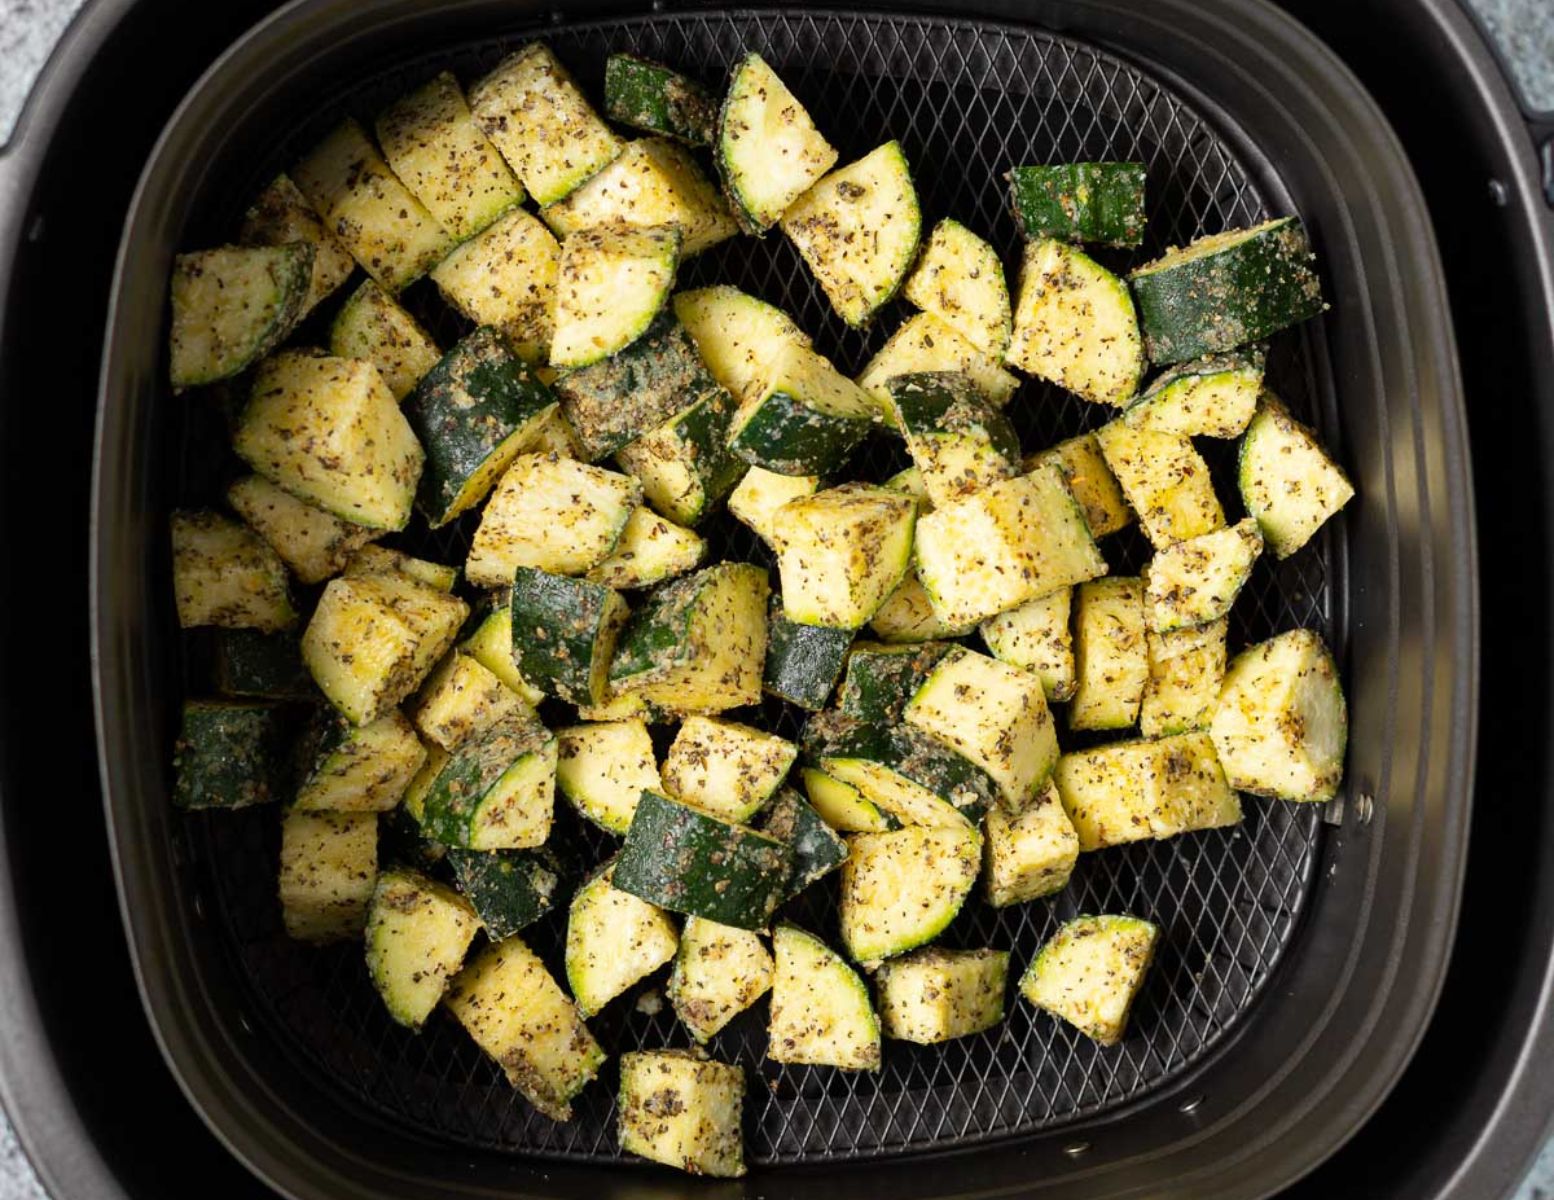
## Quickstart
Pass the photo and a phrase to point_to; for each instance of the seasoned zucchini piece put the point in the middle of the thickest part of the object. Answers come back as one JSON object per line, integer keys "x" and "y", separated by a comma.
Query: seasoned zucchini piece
{"x": 649, "y": 96}
{"x": 551, "y": 513}
{"x": 414, "y": 802}
{"x": 685, "y": 465}
{"x": 653, "y": 182}
{"x": 842, "y": 551}
{"x": 925, "y": 343}
{"x": 1186, "y": 669}
{"x": 378, "y": 560}
{"x": 1074, "y": 325}
{"x": 725, "y": 768}
{"x": 959, "y": 279}
{"x": 1035, "y": 637}
{"x": 1089, "y": 972}
{"x": 650, "y": 551}
{"x": 224, "y": 574}
{"x": 1111, "y": 658}
{"x": 718, "y": 973}
{"x": 463, "y": 698}
{"x": 554, "y": 434}
{"x": 935, "y": 995}
{"x": 805, "y": 419}
{"x": 1029, "y": 854}
{"x": 519, "y": 1015}
{"x": 369, "y": 211}
{"x": 228, "y": 755}
{"x": 761, "y": 493}
{"x": 900, "y": 889}
{"x": 682, "y": 1110}
{"x": 564, "y": 633}
{"x": 281, "y": 215}
{"x": 1011, "y": 542}
{"x": 508, "y": 889}
{"x": 1227, "y": 289}
{"x": 1187, "y": 768}
{"x": 821, "y": 1015}
{"x": 959, "y": 441}
{"x": 613, "y": 281}
{"x": 496, "y": 791}
{"x": 372, "y": 325}
{"x": 364, "y": 769}
{"x": 537, "y": 118}
{"x": 329, "y": 430}
{"x": 993, "y": 714}
{"x": 803, "y": 662}
{"x": 604, "y": 767}
{"x": 1281, "y": 724}
{"x": 736, "y": 334}
{"x": 265, "y": 666}
{"x": 329, "y": 863}
{"x": 1101, "y": 202}
{"x": 1287, "y": 480}
{"x": 699, "y": 643}
{"x": 505, "y": 276}
{"x": 1196, "y": 581}
{"x": 692, "y": 862}
{"x": 1129, "y": 791}
{"x": 842, "y": 806}
{"x": 433, "y": 144}
{"x": 417, "y": 933}
{"x": 910, "y": 481}
{"x": 1208, "y": 397}
{"x": 817, "y": 848}
{"x": 882, "y": 679}
{"x": 614, "y": 940}
{"x": 1083, "y": 467}
{"x": 908, "y": 616}
{"x": 768, "y": 151}
{"x": 1165, "y": 480}
{"x": 232, "y": 306}
{"x": 491, "y": 644}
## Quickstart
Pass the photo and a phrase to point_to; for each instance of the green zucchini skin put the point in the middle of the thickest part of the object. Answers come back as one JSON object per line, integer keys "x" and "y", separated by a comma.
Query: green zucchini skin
{"x": 694, "y": 440}
{"x": 1100, "y": 202}
{"x": 916, "y": 756}
{"x": 929, "y": 402}
{"x": 649, "y": 96}
{"x": 229, "y": 755}
{"x": 453, "y": 803}
{"x": 789, "y": 437}
{"x": 881, "y": 680}
{"x": 509, "y": 889}
{"x": 803, "y": 662}
{"x": 265, "y": 666}
{"x": 1240, "y": 293}
{"x": 466, "y": 412}
{"x": 690, "y": 862}
{"x": 817, "y": 848}
{"x": 559, "y": 624}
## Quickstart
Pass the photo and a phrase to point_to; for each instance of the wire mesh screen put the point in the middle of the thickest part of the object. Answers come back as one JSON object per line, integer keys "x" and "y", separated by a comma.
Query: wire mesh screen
{"x": 966, "y": 101}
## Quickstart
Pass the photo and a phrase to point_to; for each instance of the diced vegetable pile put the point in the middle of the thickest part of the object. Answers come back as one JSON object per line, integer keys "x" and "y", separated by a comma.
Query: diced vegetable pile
{"x": 416, "y": 719}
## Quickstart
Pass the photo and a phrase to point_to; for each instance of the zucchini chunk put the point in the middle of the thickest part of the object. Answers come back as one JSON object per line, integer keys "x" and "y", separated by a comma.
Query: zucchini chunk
{"x": 934, "y": 995}
{"x": 803, "y": 662}
{"x": 959, "y": 279}
{"x": 682, "y": 1110}
{"x": 821, "y": 1014}
{"x": 842, "y": 552}
{"x": 900, "y": 889}
{"x": 1129, "y": 791}
{"x": 882, "y": 679}
{"x": 959, "y": 442}
{"x": 1074, "y": 325}
{"x": 364, "y": 769}
{"x": 725, "y": 768}
{"x": 805, "y": 419}
{"x": 1165, "y": 480}
{"x": 692, "y": 862}
{"x": 371, "y": 325}
{"x": 685, "y": 466}
{"x": 925, "y": 343}
{"x": 462, "y": 698}
{"x": 817, "y": 848}
{"x": 1029, "y": 854}
{"x": 612, "y": 282}
{"x": 993, "y": 714}
{"x": 1089, "y": 972}
{"x": 491, "y": 644}
{"x": 604, "y": 767}
{"x": 736, "y": 334}
{"x": 1208, "y": 397}
{"x": 414, "y": 802}
{"x": 539, "y": 121}
{"x": 910, "y": 481}
{"x": 564, "y": 633}
{"x": 1186, "y": 669}
{"x": 225, "y": 574}
{"x": 281, "y": 215}
{"x": 1083, "y": 467}
{"x": 263, "y": 666}
{"x": 699, "y": 643}
{"x": 1035, "y": 637}
{"x": 433, "y": 144}
{"x": 1100, "y": 202}
{"x": 369, "y": 211}
{"x": 519, "y": 1015}
{"x": 496, "y": 791}
{"x": 1287, "y": 481}
{"x": 329, "y": 863}
{"x": 329, "y": 430}
{"x": 555, "y": 435}
{"x": 418, "y": 931}
{"x": 761, "y": 493}
{"x": 650, "y": 551}
{"x": 1196, "y": 581}
{"x": 1227, "y": 289}
{"x": 614, "y": 940}
{"x": 228, "y": 755}
{"x": 653, "y": 182}
{"x": 768, "y": 151}
{"x": 1281, "y": 725}
{"x": 1111, "y": 658}
{"x": 378, "y": 560}
{"x": 506, "y": 276}
{"x": 508, "y": 889}
{"x": 842, "y": 806}
{"x": 649, "y": 96}
{"x": 908, "y": 616}
{"x": 1013, "y": 541}
{"x": 373, "y": 640}
{"x": 473, "y": 412}
{"x": 232, "y": 306}
{"x": 553, "y": 514}
{"x": 718, "y": 973}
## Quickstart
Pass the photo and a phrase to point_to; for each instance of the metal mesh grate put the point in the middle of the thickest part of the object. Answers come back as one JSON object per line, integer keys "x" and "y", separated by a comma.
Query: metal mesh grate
{"x": 967, "y": 101}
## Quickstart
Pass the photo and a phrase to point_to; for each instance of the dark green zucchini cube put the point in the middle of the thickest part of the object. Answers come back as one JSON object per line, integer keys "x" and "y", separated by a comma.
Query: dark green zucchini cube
{"x": 229, "y": 754}
{"x": 265, "y": 666}
{"x": 649, "y": 96}
{"x": 803, "y": 662}
{"x": 510, "y": 889}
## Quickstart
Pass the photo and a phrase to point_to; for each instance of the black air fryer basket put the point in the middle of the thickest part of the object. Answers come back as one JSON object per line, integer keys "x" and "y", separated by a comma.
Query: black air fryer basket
{"x": 1302, "y": 951}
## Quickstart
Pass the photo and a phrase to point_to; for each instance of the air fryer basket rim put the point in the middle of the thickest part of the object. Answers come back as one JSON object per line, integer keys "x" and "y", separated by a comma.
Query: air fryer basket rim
{"x": 249, "y": 1116}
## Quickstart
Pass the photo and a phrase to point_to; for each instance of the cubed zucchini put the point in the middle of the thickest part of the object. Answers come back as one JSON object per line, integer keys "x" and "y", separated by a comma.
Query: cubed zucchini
{"x": 1131, "y": 791}
{"x": 372, "y": 325}
{"x": 900, "y": 889}
{"x": 496, "y": 791}
{"x": 1083, "y": 467}
{"x": 768, "y": 151}
{"x": 1165, "y": 480}
{"x": 508, "y": 889}
{"x": 612, "y": 282}
{"x": 935, "y": 995}
{"x": 491, "y": 644}
{"x": 821, "y": 1014}
{"x": 882, "y": 679}
{"x": 379, "y": 560}
{"x": 228, "y": 755}
{"x": 725, "y": 768}
{"x": 614, "y": 940}
{"x": 843, "y": 806}
{"x": 959, "y": 279}
{"x": 908, "y": 616}
{"x": 817, "y": 848}
{"x": 225, "y": 574}
{"x": 925, "y": 343}
{"x": 804, "y": 419}
{"x": 1036, "y": 637}
{"x": 1111, "y": 657}
{"x": 564, "y": 633}
{"x": 232, "y": 306}
{"x": 1029, "y": 854}
{"x": 264, "y": 666}
{"x": 842, "y": 551}
{"x": 1287, "y": 481}
{"x": 505, "y": 276}
{"x": 736, "y": 334}
{"x": 462, "y": 698}
{"x": 418, "y": 931}
{"x": 719, "y": 972}
{"x": 281, "y": 215}
{"x": 650, "y": 96}
{"x": 359, "y": 769}
{"x": 1186, "y": 669}
{"x": 959, "y": 442}
{"x": 685, "y": 466}
{"x": 1089, "y": 972}
{"x": 329, "y": 863}
{"x": 1195, "y": 581}
{"x": 803, "y": 662}
{"x": 1101, "y": 202}
{"x": 604, "y": 767}
{"x": 650, "y": 551}
{"x": 683, "y": 1110}
{"x": 1208, "y": 397}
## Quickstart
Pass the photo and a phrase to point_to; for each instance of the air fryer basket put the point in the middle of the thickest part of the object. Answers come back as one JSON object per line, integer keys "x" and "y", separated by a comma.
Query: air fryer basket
{"x": 967, "y": 100}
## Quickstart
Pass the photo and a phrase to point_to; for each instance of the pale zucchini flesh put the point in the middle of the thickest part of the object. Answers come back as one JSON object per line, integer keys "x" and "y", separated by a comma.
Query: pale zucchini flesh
{"x": 1029, "y": 854}
{"x": 280, "y": 215}
{"x": 821, "y": 1013}
{"x": 959, "y": 279}
{"x": 417, "y": 933}
{"x": 225, "y": 574}
{"x": 908, "y": 616}
{"x": 506, "y": 276}
{"x": 1165, "y": 480}
{"x": 935, "y": 995}
{"x": 736, "y": 334}
{"x": 758, "y": 497}
{"x": 842, "y": 806}
{"x": 925, "y": 343}
{"x": 611, "y": 283}
{"x": 1186, "y": 669}
{"x": 1111, "y": 658}
{"x": 461, "y": 698}
{"x": 683, "y": 1110}
{"x": 1037, "y": 637}
{"x": 603, "y": 768}
{"x": 842, "y": 552}
{"x": 651, "y": 550}
{"x": 719, "y": 971}
{"x": 1095, "y": 488}
{"x": 1287, "y": 481}
{"x": 900, "y": 889}
{"x": 768, "y": 150}
{"x": 614, "y": 940}
{"x": 1195, "y": 581}
{"x": 328, "y": 865}
{"x": 1090, "y": 971}
{"x": 372, "y": 325}
{"x": 725, "y": 768}
{"x": 233, "y": 305}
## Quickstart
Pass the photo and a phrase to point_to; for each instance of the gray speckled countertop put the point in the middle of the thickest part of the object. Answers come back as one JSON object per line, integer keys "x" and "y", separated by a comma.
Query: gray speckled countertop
{"x": 29, "y": 29}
